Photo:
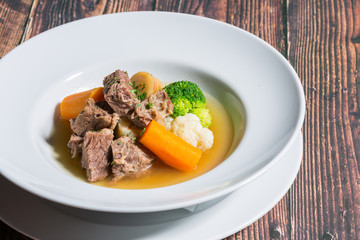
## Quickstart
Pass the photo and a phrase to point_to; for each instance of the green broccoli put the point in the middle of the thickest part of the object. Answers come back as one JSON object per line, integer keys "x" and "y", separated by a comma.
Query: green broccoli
{"x": 204, "y": 116}
{"x": 181, "y": 106}
{"x": 187, "y": 97}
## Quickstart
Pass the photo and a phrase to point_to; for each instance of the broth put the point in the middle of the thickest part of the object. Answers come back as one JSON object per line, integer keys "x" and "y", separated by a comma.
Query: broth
{"x": 159, "y": 174}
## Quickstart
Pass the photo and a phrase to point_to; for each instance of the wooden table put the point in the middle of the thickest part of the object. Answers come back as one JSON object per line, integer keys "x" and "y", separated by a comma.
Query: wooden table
{"x": 321, "y": 39}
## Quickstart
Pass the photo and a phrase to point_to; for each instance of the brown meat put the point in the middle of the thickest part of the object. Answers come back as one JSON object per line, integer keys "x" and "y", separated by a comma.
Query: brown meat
{"x": 129, "y": 158}
{"x": 105, "y": 106}
{"x": 96, "y": 153}
{"x": 92, "y": 118}
{"x": 75, "y": 144}
{"x": 119, "y": 93}
{"x": 114, "y": 121}
{"x": 157, "y": 107}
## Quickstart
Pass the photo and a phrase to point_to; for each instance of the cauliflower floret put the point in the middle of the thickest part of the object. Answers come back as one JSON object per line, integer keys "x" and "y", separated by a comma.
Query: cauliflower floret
{"x": 168, "y": 121}
{"x": 189, "y": 129}
{"x": 206, "y": 139}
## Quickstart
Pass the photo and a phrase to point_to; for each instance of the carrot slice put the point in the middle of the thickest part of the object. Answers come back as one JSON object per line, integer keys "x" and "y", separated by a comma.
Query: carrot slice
{"x": 97, "y": 94}
{"x": 73, "y": 104}
{"x": 170, "y": 148}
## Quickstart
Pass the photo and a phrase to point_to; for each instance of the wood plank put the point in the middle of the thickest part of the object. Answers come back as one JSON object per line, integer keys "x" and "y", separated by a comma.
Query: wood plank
{"x": 324, "y": 49}
{"x": 354, "y": 89}
{"x": 49, "y": 14}
{"x": 266, "y": 19}
{"x": 13, "y": 20}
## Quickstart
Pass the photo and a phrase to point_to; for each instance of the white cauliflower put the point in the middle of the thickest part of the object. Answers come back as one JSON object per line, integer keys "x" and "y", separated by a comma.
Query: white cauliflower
{"x": 168, "y": 121}
{"x": 189, "y": 129}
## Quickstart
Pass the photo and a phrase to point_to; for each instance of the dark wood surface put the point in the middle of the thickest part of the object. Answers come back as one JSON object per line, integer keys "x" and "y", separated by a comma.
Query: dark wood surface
{"x": 321, "y": 39}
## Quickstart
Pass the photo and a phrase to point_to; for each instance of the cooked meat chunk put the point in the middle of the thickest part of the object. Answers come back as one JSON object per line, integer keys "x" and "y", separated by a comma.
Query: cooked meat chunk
{"x": 119, "y": 93}
{"x": 114, "y": 121}
{"x": 75, "y": 144}
{"x": 96, "y": 153}
{"x": 92, "y": 118}
{"x": 129, "y": 158}
{"x": 105, "y": 106}
{"x": 157, "y": 107}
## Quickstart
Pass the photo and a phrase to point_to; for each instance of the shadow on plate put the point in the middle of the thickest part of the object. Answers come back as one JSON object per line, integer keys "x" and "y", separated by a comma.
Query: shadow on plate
{"x": 133, "y": 219}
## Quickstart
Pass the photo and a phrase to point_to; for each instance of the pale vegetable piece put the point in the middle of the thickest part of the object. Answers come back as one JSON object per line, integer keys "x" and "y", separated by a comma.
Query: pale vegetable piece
{"x": 189, "y": 129}
{"x": 158, "y": 84}
{"x": 206, "y": 139}
{"x": 168, "y": 121}
{"x": 144, "y": 82}
{"x": 126, "y": 128}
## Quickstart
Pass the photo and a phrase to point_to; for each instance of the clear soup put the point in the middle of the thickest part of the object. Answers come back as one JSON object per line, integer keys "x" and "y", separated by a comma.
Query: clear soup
{"x": 159, "y": 174}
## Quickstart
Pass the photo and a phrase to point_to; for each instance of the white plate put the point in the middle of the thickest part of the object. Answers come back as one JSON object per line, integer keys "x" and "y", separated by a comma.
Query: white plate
{"x": 239, "y": 69}
{"x": 36, "y": 218}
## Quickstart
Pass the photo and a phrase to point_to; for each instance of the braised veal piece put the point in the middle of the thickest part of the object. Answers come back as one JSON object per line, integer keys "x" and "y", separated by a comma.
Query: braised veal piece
{"x": 75, "y": 144}
{"x": 92, "y": 118}
{"x": 157, "y": 107}
{"x": 119, "y": 93}
{"x": 96, "y": 153}
{"x": 129, "y": 158}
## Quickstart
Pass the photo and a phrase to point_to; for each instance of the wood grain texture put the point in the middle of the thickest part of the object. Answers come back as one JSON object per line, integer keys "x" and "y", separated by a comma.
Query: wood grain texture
{"x": 324, "y": 50}
{"x": 49, "y": 14}
{"x": 13, "y": 20}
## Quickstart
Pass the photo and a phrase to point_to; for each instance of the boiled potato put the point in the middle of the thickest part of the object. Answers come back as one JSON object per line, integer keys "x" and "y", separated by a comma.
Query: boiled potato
{"x": 158, "y": 85}
{"x": 145, "y": 82}
{"x": 126, "y": 128}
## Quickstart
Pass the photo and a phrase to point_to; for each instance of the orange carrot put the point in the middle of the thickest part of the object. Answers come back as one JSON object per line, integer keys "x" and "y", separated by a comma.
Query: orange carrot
{"x": 73, "y": 104}
{"x": 170, "y": 148}
{"x": 97, "y": 94}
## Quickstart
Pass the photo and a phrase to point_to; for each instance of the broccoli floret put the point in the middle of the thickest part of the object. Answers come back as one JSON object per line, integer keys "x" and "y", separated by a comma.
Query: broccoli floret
{"x": 204, "y": 116}
{"x": 181, "y": 107}
{"x": 187, "y": 97}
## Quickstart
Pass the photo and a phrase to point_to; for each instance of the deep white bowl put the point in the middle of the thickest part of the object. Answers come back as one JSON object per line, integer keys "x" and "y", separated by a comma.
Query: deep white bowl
{"x": 251, "y": 79}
